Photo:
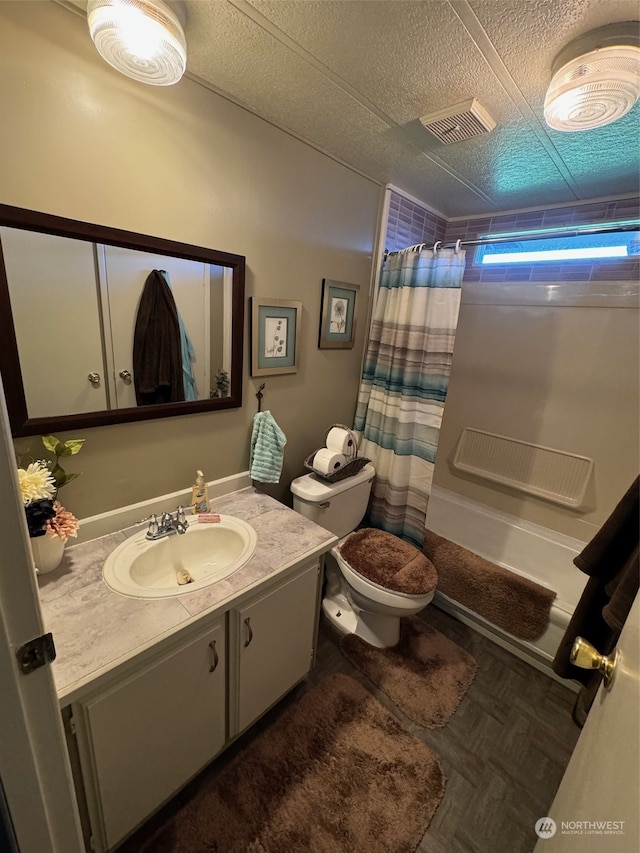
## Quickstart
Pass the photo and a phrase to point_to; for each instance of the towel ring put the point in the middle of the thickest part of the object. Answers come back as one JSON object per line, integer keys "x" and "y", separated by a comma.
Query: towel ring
{"x": 457, "y": 247}
{"x": 437, "y": 245}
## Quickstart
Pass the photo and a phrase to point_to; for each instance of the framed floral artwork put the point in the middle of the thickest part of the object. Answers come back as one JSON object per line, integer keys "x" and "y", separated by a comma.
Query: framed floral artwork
{"x": 275, "y": 336}
{"x": 337, "y": 314}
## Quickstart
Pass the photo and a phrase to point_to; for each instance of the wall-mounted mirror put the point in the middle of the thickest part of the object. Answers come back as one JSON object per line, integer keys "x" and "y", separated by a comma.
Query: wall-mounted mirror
{"x": 86, "y": 316}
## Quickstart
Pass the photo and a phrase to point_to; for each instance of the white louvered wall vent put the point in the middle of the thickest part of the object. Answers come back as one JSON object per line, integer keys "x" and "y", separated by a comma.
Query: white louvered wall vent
{"x": 554, "y": 475}
{"x": 461, "y": 121}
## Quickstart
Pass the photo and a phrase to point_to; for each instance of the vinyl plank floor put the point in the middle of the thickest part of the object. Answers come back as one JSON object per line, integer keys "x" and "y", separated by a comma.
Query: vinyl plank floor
{"x": 503, "y": 752}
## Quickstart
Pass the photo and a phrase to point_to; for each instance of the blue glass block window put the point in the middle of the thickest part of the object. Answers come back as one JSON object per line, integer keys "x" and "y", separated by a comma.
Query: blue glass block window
{"x": 611, "y": 245}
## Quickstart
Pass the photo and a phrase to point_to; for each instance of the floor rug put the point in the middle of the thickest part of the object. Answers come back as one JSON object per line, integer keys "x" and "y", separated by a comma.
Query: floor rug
{"x": 335, "y": 773}
{"x": 425, "y": 674}
{"x": 516, "y": 604}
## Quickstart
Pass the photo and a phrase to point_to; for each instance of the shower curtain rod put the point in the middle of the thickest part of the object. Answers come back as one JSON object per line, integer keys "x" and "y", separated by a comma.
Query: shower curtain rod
{"x": 538, "y": 234}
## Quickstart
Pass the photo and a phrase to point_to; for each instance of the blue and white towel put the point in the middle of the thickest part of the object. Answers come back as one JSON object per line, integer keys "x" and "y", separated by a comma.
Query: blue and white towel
{"x": 267, "y": 449}
{"x": 188, "y": 354}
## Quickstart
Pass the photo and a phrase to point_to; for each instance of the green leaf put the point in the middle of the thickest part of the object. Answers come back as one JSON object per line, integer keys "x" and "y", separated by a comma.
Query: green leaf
{"x": 53, "y": 444}
{"x": 74, "y": 445}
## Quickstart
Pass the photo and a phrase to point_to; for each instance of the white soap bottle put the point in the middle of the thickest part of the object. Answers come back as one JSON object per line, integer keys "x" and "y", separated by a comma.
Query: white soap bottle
{"x": 199, "y": 495}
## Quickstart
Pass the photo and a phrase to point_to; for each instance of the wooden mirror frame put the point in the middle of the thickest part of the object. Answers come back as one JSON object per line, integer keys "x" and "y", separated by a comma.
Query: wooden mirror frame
{"x": 30, "y": 220}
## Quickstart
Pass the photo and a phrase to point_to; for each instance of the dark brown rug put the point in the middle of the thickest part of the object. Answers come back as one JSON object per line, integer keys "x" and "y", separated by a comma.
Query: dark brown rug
{"x": 506, "y": 599}
{"x": 425, "y": 674}
{"x": 335, "y": 773}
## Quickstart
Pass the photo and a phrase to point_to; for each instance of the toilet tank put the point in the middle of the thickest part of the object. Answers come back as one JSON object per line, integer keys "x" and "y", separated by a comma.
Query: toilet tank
{"x": 338, "y": 507}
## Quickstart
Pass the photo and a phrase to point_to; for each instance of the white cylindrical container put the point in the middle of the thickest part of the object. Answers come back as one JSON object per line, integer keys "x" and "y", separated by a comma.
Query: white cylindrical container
{"x": 47, "y": 552}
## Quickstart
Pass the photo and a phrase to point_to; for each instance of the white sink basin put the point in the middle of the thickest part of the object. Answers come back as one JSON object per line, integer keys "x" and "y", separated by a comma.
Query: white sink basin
{"x": 209, "y": 552}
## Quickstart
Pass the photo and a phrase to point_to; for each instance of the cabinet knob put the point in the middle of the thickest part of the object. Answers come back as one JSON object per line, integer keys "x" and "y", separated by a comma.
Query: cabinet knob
{"x": 247, "y": 622}
{"x": 125, "y": 375}
{"x": 216, "y": 659}
{"x": 94, "y": 378}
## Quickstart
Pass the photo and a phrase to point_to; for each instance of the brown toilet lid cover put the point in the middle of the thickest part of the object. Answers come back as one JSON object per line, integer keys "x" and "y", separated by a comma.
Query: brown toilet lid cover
{"x": 388, "y": 561}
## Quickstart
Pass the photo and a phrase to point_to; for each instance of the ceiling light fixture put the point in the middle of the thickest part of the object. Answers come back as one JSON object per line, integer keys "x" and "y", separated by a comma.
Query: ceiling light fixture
{"x": 143, "y": 39}
{"x": 596, "y": 79}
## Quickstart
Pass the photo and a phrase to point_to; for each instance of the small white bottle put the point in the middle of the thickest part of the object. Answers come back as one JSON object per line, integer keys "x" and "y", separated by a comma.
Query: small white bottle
{"x": 199, "y": 495}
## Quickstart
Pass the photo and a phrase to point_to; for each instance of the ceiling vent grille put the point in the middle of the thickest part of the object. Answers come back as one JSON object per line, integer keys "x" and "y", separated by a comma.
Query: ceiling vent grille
{"x": 462, "y": 121}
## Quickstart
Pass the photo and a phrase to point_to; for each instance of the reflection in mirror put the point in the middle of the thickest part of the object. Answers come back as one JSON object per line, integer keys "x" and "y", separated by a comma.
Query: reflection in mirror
{"x": 74, "y": 294}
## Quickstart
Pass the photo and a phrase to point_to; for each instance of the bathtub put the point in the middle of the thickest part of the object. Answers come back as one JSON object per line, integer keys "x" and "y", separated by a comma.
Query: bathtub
{"x": 534, "y": 552}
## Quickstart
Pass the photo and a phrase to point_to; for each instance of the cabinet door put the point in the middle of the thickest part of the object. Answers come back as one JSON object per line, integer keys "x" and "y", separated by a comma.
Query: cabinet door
{"x": 52, "y": 283}
{"x": 152, "y": 733}
{"x": 275, "y": 634}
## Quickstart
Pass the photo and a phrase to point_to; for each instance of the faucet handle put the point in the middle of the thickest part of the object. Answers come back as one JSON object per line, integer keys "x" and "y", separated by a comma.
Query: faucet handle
{"x": 181, "y": 521}
{"x": 153, "y": 526}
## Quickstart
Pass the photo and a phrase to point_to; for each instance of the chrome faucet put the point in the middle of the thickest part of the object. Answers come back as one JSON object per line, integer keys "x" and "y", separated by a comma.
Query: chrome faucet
{"x": 168, "y": 524}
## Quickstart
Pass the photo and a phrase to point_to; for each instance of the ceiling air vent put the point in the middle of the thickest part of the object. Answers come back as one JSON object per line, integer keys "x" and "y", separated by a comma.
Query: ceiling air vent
{"x": 462, "y": 121}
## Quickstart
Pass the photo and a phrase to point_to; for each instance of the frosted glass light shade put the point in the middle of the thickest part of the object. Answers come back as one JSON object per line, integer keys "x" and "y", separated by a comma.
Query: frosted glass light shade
{"x": 143, "y": 39}
{"x": 595, "y": 78}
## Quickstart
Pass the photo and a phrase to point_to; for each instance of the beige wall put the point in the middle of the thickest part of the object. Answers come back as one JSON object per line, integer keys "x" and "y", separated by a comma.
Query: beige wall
{"x": 80, "y": 140}
{"x": 553, "y": 365}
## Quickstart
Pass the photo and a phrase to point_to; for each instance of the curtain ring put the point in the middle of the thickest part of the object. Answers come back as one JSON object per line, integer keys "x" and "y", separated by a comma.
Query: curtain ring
{"x": 457, "y": 248}
{"x": 437, "y": 245}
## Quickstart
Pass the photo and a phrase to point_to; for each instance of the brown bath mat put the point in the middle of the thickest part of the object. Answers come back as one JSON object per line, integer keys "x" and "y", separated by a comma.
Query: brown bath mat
{"x": 425, "y": 674}
{"x": 510, "y": 601}
{"x": 335, "y": 773}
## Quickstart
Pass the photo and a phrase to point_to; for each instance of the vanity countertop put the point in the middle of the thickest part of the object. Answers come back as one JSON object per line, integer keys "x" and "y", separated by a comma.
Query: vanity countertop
{"x": 95, "y": 629}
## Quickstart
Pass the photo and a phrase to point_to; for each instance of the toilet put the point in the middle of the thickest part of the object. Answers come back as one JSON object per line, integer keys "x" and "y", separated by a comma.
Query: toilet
{"x": 353, "y": 602}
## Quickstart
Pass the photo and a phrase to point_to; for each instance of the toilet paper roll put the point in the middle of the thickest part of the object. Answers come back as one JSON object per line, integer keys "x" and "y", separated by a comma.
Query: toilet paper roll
{"x": 328, "y": 461}
{"x": 341, "y": 441}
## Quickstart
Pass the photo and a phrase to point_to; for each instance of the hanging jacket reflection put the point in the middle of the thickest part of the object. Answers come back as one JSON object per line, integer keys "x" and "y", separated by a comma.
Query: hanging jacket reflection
{"x": 157, "y": 356}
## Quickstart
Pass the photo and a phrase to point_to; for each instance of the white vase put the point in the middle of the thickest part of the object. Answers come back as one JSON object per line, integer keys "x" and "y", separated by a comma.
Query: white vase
{"x": 47, "y": 552}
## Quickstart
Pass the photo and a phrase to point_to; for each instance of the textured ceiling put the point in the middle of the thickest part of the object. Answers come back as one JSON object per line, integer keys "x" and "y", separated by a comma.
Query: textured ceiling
{"x": 353, "y": 77}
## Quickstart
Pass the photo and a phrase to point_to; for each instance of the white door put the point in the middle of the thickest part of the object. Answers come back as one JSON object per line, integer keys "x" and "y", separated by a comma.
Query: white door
{"x": 34, "y": 766}
{"x": 596, "y": 807}
{"x": 54, "y": 301}
{"x": 126, "y": 271}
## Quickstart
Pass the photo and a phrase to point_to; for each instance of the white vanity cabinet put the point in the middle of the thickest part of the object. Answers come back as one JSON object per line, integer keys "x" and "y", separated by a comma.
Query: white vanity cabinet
{"x": 141, "y": 740}
{"x": 272, "y": 639}
{"x": 143, "y": 735}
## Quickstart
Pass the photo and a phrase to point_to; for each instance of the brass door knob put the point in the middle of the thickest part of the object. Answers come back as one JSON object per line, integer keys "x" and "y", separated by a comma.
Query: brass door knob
{"x": 585, "y": 656}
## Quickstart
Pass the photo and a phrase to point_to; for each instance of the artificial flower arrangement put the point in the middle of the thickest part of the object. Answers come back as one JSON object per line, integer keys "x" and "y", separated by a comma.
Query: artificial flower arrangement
{"x": 40, "y": 482}
{"x": 222, "y": 384}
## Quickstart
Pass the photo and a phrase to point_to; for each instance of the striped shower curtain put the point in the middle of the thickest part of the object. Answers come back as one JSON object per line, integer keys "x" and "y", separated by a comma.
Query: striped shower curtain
{"x": 405, "y": 381}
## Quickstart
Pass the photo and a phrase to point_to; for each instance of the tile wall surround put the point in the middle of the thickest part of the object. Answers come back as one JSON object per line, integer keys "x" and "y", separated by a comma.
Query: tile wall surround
{"x": 409, "y": 223}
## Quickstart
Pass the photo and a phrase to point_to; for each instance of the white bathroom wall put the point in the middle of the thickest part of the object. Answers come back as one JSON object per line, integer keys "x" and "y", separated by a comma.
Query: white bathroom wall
{"x": 552, "y": 364}
{"x": 81, "y": 140}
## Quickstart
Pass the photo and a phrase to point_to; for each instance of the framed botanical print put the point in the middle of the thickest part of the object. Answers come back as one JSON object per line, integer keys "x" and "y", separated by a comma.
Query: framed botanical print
{"x": 275, "y": 336}
{"x": 338, "y": 314}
